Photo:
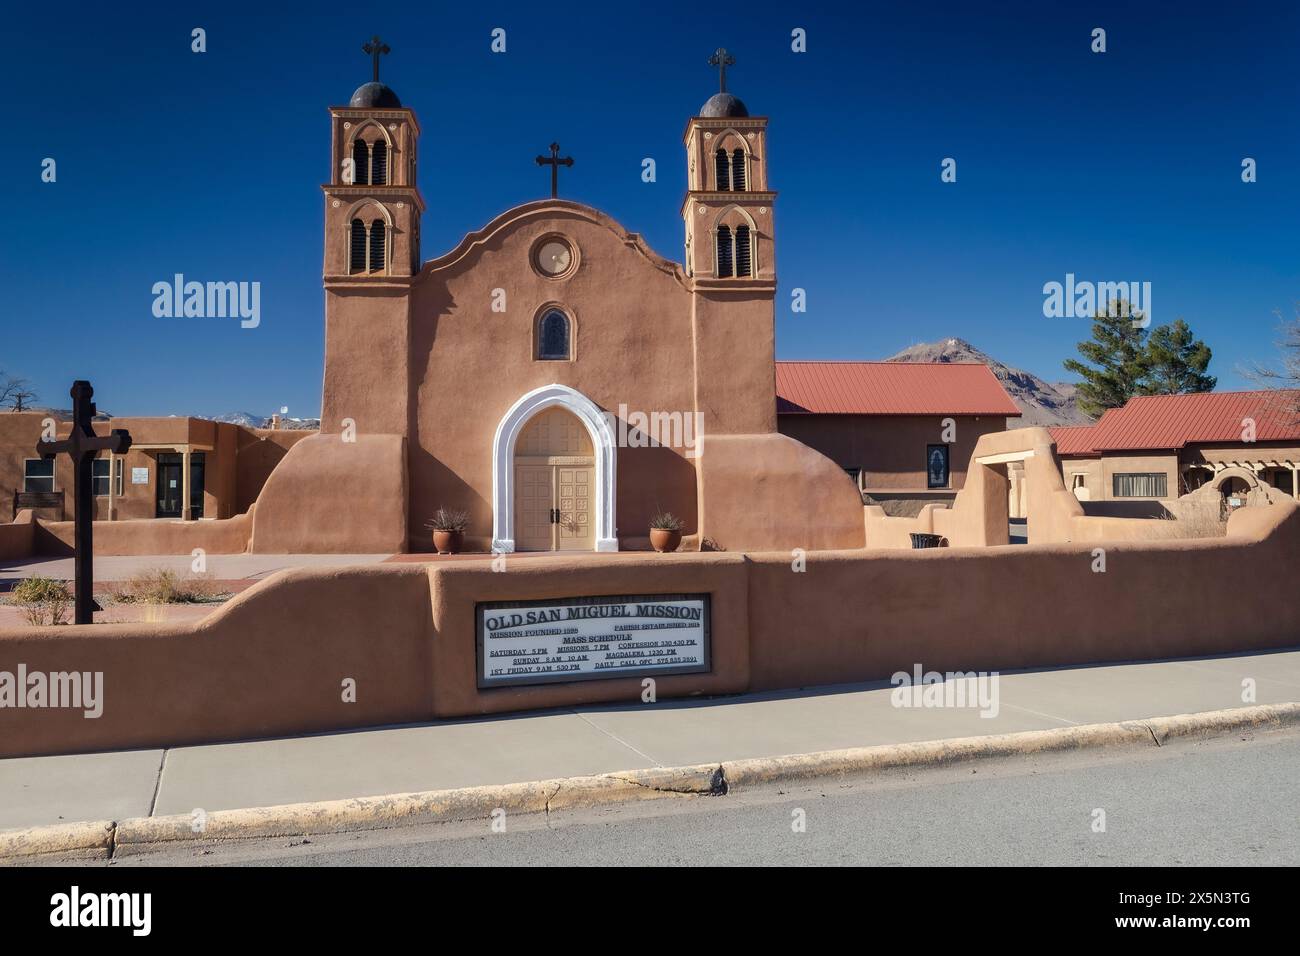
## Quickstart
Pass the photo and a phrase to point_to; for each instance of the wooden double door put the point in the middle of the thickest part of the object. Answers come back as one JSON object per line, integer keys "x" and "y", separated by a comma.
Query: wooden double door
{"x": 555, "y": 485}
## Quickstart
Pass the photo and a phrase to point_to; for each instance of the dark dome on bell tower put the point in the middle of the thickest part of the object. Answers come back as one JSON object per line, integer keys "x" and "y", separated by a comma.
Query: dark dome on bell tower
{"x": 374, "y": 95}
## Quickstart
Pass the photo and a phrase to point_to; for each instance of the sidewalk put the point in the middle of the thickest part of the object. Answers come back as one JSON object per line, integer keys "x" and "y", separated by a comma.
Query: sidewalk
{"x": 35, "y": 791}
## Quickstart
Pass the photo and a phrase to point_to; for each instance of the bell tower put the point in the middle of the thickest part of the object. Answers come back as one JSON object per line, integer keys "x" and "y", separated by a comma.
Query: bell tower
{"x": 372, "y": 254}
{"x": 372, "y": 205}
{"x": 728, "y": 209}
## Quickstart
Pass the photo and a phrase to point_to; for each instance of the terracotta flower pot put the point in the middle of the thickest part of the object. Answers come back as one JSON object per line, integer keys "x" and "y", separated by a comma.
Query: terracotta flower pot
{"x": 665, "y": 541}
{"x": 448, "y": 542}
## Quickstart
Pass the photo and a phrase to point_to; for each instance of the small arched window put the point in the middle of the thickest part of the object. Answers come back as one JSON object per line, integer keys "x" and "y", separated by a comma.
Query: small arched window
{"x": 744, "y": 252}
{"x": 357, "y": 246}
{"x": 379, "y": 164}
{"x": 361, "y": 160}
{"x": 377, "y": 260}
{"x": 724, "y": 251}
{"x": 723, "y": 170}
{"x": 553, "y": 336}
{"x": 738, "y": 178}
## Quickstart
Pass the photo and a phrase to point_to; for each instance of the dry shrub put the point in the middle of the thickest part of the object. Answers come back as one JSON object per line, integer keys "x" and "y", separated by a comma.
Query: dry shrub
{"x": 43, "y": 600}
{"x": 164, "y": 586}
{"x": 1193, "y": 523}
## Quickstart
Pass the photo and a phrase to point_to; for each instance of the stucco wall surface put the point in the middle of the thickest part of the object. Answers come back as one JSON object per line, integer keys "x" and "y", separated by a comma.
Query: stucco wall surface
{"x": 272, "y": 661}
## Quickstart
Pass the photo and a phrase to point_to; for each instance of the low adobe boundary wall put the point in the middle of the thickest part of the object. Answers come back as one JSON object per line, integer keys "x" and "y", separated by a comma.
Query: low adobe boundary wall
{"x": 275, "y": 660}
{"x": 149, "y": 536}
{"x": 18, "y": 538}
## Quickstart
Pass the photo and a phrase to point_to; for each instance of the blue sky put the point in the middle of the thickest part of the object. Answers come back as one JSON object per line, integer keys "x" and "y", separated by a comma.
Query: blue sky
{"x": 1116, "y": 166}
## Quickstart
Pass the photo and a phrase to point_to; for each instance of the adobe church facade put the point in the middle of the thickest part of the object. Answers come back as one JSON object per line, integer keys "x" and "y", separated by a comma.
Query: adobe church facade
{"x": 513, "y": 377}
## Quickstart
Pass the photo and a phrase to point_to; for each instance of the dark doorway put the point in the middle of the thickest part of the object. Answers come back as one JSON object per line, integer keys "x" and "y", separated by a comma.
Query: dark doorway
{"x": 171, "y": 487}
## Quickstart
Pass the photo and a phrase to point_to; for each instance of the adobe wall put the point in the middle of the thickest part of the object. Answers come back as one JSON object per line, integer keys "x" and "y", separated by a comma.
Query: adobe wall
{"x": 153, "y": 536}
{"x": 331, "y": 496}
{"x": 18, "y": 538}
{"x": 957, "y": 609}
{"x": 272, "y": 661}
{"x": 257, "y": 452}
{"x": 771, "y": 492}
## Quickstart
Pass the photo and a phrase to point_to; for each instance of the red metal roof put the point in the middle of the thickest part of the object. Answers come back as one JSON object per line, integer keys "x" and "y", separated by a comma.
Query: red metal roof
{"x": 890, "y": 388}
{"x": 1151, "y": 422}
{"x": 1073, "y": 439}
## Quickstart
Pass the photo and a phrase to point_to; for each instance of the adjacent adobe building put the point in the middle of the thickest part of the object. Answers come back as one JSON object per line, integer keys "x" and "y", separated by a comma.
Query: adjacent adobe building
{"x": 1165, "y": 446}
{"x": 900, "y": 430}
{"x": 177, "y": 468}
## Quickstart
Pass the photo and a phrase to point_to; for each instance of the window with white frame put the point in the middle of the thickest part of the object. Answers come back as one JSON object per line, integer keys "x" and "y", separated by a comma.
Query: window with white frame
{"x": 38, "y": 474}
{"x": 99, "y": 474}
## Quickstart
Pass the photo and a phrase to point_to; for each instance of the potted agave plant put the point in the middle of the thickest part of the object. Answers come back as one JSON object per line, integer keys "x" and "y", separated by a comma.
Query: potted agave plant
{"x": 665, "y": 532}
{"x": 448, "y": 526}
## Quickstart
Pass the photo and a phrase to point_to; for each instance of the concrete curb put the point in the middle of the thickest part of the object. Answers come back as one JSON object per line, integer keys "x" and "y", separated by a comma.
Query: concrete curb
{"x": 931, "y": 753}
{"x": 101, "y": 839}
{"x": 79, "y": 841}
{"x": 413, "y": 809}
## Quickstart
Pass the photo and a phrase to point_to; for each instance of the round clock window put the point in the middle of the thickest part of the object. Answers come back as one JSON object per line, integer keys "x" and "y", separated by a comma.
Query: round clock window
{"x": 554, "y": 257}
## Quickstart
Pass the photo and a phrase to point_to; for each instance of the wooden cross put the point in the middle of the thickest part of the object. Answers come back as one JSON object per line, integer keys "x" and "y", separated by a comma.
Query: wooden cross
{"x": 722, "y": 59}
{"x": 555, "y": 162}
{"x": 376, "y": 48}
{"x": 81, "y": 445}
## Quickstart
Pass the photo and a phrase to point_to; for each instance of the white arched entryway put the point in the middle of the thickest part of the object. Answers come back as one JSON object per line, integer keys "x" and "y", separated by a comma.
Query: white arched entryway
{"x": 503, "y": 462}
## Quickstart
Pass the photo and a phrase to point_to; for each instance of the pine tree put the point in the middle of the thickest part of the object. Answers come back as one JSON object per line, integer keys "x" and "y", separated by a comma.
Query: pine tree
{"x": 1116, "y": 355}
{"x": 1175, "y": 362}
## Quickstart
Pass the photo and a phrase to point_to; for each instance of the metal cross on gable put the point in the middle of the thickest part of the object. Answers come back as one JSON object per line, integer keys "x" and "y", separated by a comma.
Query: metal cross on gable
{"x": 376, "y": 48}
{"x": 722, "y": 59}
{"x": 81, "y": 446}
{"x": 555, "y": 162}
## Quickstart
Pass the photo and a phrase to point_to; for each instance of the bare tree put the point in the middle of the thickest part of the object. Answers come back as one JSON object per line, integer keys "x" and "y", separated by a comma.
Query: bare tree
{"x": 1287, "y": 375}
{"x": 16, "y": 393}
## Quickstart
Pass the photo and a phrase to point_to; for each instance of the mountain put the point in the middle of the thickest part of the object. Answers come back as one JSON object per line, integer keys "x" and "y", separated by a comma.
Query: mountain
{"x": 249, "y": 420}
{"x": 1040, "y": 402}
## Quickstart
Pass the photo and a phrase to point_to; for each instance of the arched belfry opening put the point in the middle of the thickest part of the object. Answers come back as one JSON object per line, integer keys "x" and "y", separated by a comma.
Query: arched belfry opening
{"x": 553, "y": 464}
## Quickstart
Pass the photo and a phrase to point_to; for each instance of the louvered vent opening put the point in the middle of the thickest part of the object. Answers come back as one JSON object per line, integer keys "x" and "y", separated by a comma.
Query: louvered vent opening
{"x": 379, "y": 164}
{"x": 361, "y": 157}
{"x": 377, "y": 245}
{"x": 724, "y": 177}
{"x": 738, "y": 179}
{"x": 724, "y": 251}
{"x": 357, "y": 246}
{"x": 744, "y": 254}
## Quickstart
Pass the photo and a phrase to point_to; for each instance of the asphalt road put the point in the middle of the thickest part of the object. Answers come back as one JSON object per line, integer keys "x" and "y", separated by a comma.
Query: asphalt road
{"x": 1217, "y": 802}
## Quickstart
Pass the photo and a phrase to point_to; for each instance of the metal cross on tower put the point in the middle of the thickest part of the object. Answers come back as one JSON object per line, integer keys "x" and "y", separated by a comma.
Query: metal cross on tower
{"x": 555, "y": 162}
{"x": 81, "y": 446}
{"x": 722, "y": 59}
{"x": 376, "y": 48}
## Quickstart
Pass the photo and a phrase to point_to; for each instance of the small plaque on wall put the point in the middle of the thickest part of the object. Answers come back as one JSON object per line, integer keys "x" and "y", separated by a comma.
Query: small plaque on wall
{"x": 591, "y": 638}
{"x": 139, "y": 476}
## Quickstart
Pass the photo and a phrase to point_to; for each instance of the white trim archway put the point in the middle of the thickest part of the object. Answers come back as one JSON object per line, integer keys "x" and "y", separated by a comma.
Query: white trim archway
{"x": 503, "y": 462}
